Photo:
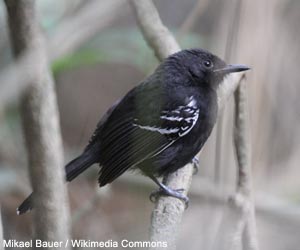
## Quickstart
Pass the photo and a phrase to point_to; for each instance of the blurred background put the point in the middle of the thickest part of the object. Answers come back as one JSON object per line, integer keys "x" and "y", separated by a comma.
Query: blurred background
{"x": 262, "y": 34}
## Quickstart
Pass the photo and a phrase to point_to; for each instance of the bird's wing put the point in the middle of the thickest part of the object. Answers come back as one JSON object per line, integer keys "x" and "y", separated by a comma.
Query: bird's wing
{"x": 129, "y": 139}
{"x": 99, "y": 127}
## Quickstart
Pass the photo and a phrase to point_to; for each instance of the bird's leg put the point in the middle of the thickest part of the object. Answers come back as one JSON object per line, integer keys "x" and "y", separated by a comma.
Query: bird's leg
{"x": 164, "y": 190}
{"x": 196, "y": 165}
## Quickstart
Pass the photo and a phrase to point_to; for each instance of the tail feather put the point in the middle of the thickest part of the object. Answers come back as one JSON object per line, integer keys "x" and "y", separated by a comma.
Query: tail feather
{"x": 78, "y": 165}
{"x": 26, "y": 205}
{"x": 72, "y": 169}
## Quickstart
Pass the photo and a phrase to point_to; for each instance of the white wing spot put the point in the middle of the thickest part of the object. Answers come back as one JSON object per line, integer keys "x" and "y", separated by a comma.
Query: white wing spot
{"x": 192, "y": 102}
{"x": 194, "y": 120}
{"x": 160, "y": 130}
{"x": 171, "y": 118}
{"x": 186, "y": 116}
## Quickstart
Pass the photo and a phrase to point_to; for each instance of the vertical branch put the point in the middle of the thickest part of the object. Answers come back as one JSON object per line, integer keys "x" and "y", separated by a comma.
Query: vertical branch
{"x": 238, "y": 228}
{"x": 231, "y": 41}
{"x": 1, "y": 232}
{"x": 192, "y": 17}
{"x": 244, "y": 181}
{"x": 167, "y": 214}
{"x": 241, "y": 140}
{"x": 41, "y": 125}
{"x": 230, "y": 233}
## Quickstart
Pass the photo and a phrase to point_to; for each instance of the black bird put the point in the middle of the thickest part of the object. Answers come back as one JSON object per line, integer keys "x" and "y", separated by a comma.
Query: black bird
{"x": 158, "y": 126}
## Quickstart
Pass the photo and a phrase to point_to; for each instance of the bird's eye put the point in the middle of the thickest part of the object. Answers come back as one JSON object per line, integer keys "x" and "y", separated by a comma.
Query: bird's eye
{"x": 208, "y": 64}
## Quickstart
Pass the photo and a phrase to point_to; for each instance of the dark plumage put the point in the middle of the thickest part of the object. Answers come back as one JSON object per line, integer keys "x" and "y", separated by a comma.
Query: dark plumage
{"x": 160, "y": 125}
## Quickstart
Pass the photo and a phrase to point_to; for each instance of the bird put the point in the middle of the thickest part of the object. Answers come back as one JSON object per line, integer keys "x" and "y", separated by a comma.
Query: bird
{"x": 159, "y": 125}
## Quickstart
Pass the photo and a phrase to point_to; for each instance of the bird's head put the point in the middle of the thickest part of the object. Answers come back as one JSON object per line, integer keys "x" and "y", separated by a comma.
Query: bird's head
{"x": 202, "y": 67}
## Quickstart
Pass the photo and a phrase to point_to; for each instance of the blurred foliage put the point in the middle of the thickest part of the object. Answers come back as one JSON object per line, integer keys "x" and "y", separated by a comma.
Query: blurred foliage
{"x": 10, "y": 129}
{"x": 80, "y": 58}
{"x": 51, "y": 14}
{"x": 118, "y": 46}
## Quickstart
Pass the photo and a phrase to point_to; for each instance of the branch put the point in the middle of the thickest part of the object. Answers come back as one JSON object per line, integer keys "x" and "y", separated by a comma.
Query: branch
{"x": 192, "y": 17}
{"x": 158, "y": 37}
{"x": 244, "y": 184}
{"x": 41, "y": 126}
{"x": 70, "y": 34}
{"x": 1, "y": 232}
{"x": 167, "y": 215}
{"x": 238, "y": 228}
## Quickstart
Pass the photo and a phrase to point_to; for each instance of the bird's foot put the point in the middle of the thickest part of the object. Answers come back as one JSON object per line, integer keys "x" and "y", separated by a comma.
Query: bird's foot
{"x": 166, "y": 191}
{"x": 196, "y": 165}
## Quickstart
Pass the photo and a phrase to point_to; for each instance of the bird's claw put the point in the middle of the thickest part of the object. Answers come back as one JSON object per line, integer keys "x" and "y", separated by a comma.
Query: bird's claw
{"x": 177, "y": 193}
{"x": 154, "y": 196}
{"x": 196, "y": 165}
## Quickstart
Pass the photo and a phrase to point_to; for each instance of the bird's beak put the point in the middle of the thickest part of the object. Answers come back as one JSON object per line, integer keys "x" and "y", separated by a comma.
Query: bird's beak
{"x": 231, "y": 68}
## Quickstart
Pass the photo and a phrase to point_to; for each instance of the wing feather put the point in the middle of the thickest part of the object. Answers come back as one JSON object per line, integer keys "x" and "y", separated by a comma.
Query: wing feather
{"x": 140, "y": 146}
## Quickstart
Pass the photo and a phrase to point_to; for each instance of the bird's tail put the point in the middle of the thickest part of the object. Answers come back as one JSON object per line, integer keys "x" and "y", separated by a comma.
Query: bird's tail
{"x": 78, "y": 165}
{"x": 72, "y": 169}
{"x": 26, "y": 205}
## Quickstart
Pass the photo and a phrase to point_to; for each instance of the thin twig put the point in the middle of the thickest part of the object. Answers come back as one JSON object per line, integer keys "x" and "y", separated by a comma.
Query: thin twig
{"x": 244, "y": 182}
{"x": 231, "y": 41}
{"x": 41, "y": 126}
{"x": 231, "y": 229}
{"x": 238, "y": 228}
{"x": 192, "y": 17}
{"x": 1, "y": 232}
{"x": 241, "y": 140}
{"x": 167, "y": 215}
